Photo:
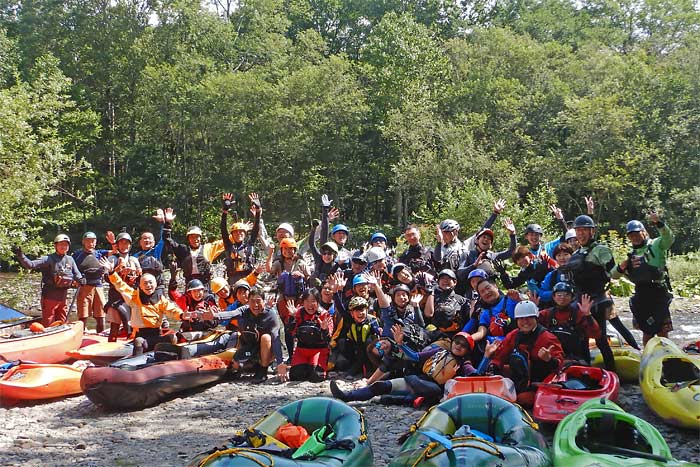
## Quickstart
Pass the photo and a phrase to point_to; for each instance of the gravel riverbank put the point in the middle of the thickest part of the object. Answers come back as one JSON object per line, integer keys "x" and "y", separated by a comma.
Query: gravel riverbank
{"x": 74, "y": 432}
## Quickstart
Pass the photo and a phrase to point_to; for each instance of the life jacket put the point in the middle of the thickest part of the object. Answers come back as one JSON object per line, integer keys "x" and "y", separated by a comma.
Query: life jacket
{"x": 61, "y": 272}
{"x": 587, "y": 277}
{"x": 203, "y": 266}
{"x": 362, "y": 332}
{"x": 441, "y": 366}
{"x": 447, "y": 316}
{"x": 450, "y": 255}
{"x": 520, "y": 360}
{"x": 566, "y": 332}
{"x": 239, "y": 259}
{"x": 501, "y": 323}
{"x": 309, "y": 333}
{"x": 289, "y": 285}
{"x": 645, "y": 274}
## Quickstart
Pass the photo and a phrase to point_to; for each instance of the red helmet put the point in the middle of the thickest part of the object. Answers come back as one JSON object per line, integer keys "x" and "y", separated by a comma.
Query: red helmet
{"x": 467, "y": 337}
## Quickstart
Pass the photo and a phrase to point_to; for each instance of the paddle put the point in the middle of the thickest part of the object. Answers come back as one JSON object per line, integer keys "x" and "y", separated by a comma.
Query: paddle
{"x": 627, "y": 452}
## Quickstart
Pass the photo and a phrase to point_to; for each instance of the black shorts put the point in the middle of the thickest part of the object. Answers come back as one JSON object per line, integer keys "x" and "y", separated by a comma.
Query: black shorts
{"x": 650, "y": 309}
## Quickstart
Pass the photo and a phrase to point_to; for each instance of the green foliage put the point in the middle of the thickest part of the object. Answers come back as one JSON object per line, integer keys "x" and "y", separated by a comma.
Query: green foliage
{"x": 684, "y": 273}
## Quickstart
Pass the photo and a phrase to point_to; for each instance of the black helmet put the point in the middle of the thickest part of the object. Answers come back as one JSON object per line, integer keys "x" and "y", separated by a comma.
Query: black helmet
{"x": 563, "y": 287}
{"x": 634, "y": 226}
{"x": 194, "y": 284}
{"x": 584, "y": 221}
{"x": 534, "y": 228}
{"x": 399, "y": 288}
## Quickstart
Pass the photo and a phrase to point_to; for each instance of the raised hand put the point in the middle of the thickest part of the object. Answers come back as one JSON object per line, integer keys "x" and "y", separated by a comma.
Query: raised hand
{"x": 590, "y": 205}
{"x": 159, "y": 216}
{"x": 509, "y": 225}
{"x": 333, "y": 214}
{"x": 491, "y": 348}
{"x": 290, "y": 305}
{"x": 325, "y": 202}
{"x": 375, "y": 277}
{"x": 499, "y": 206}
{"x": 438, "y": 234}
{"x": 545, "y": 353}
{"x": 513, "y": 295}
{"x": 169, "y": 215}
{"x": 340, "y": 281}
{"x": 255, "y": 200}
{"x": 248, "y": 226}
{"x": 654, "y": 217}
{"x": 106, "y": 264}
{"x": 416, "y": 299}
{"x": 111, "y": 239}
{"x": 16, "y": 250}
{"x": 270, "y": 302}
{"x": 585, "y": 305}
{"x": 556, "y": 211}
{"x": 534, "y": 298}
{"x": 398, "y": 333}
{"x": 326, "y": 322}
{"x": 259, "y": 268}
{"x": 227, "y": 201}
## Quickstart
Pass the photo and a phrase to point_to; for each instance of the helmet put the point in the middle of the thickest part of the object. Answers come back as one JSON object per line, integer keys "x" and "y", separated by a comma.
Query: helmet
{"x": 359, "y": 257}
{"x": 467, "y": 337}
{"x": 124, "y": 236}
{"x": 359, "y": 279}
{"x": 478, "y": 273}
{"x": 285, "y": 226}
{"x": 526, "y": 309}
{"x": 194, "y": 284}
{"x": 584, "y": 221}
{"x": 449, "y": 225}
{"x": 241, "y": 284}
{"x": 448, "y": 272}
{"x": 217, "y": 284}
{"x": 194, "y": 230}
{"x": 488, "y": 232}
{"x": 89, "y": 235}
{"x": 571, "y": 233}
{"x": 533, "y": 228}
{"x": 61, "y": 238}
{"x": 330, "y": 246}
{"x": 357, "y": 302}
{"x": 288, "y": 243}
{"x": 340, "y": 228}
{"x": 377, "y": 236}
{"x": 563, "y": 287}
{"x": 397, "y": 268}
{"x": 634, "y": 226}
{"x": 239, "y": 226}
{"x": 399, "y": 288}
{"x": 374, "y": 254}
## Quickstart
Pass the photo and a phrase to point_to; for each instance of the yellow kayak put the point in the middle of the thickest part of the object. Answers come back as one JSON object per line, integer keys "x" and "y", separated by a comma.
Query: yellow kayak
{"x": 627, "y": 358}
{"x": 670, "y": 383}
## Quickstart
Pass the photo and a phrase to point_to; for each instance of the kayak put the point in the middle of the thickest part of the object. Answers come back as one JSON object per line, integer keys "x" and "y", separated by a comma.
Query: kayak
{"x": 134, "y": 388}
{"x": 601, "y": 434}
{"x": 344, "y": 443}
{"x": 474, "y": 430}
{"x": 562, "y": 393}
{"x": 38, "y": 381}
{"x": 49, "y": 346}
{"x": 627, "y": 358}
{"x": 496, "y": 385}
{"x": 670, "y": 383}
{"x": 103, "y": 353}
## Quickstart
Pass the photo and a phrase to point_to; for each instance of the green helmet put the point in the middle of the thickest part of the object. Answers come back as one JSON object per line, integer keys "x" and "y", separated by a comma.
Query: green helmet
{"x": 357, "y": 302}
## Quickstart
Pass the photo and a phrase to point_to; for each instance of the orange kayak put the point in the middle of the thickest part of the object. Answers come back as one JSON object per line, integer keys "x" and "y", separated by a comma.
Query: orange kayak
{"x": 49, "y": 346}
{"x": 37, "y": 381}
{"x": 496, "y": 385}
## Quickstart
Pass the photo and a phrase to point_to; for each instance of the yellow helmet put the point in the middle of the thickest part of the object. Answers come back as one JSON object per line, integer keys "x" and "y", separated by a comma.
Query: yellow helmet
{"x": 217, "y": 284}
{"x": 239, "y": 226}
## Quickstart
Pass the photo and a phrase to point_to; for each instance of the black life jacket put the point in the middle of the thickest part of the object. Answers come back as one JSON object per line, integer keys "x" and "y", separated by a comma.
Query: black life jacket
{"x": 309, "y": 333}
{"x": 91, "y": 269}
{"x": 645, "y": 274}
{"x": 587, "y": 277}
{"x": 240, "y": 260}
{"x": 203, "y": 266}
{"x": 520, "y": 361}
{"x": 566, "y": 332}
{"x": 447, "y": 315}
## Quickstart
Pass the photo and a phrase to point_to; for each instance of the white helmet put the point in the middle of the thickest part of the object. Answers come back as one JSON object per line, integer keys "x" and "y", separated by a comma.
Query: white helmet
{"x": 571, "y": 233}
{"x": 376, "y": 253}
{"x": 526, "y": 309}
{"x": 287, "y": 227}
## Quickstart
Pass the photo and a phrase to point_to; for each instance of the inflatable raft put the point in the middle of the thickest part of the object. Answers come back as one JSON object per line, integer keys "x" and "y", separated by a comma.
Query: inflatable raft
{"x": 338, "y": 437}
{"x": 564, "y": 392}
{"x": 474, "y": 430}
{"x": 134, "y": 388}
{"x": 670, "y": 383}
{"x": 49, "y": 346}
{"x": 496, "y": 385}
{"x": 601, "y": 434}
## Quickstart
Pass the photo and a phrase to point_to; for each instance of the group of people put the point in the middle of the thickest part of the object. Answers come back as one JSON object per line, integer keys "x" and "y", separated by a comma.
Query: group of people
{"x": 407, "y": 322}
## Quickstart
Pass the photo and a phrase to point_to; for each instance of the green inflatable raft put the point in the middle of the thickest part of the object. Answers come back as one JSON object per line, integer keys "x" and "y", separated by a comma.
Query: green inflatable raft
{"x": 474, "y": 430}
{"x": 601, "y": 434}
{"x": 338, "y": 437}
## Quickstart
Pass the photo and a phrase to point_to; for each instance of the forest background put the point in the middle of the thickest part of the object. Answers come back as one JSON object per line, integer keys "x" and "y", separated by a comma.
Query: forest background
{"x": 402, "y": 111}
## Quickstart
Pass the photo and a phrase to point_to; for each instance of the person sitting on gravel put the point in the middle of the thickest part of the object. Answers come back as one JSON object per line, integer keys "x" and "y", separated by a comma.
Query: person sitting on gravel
{"x": 258, "y": 337}
{"x": 439, "y": 363}
{"x": 313, "y": 331}
{"x": 349, "y": 349}
{"x": 147, "y": 307}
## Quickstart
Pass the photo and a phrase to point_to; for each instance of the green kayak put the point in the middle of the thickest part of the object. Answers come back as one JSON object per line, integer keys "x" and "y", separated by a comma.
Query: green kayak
{"x": 601, "y": 434}
{"x": 474, "y": 430}
{"x": 338, "y": 437}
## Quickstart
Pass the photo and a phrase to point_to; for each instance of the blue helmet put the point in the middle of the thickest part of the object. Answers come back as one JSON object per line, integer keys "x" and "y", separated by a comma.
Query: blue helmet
{"x": 634, "y": 226}
{"x": 340, "y": 228}
{"x": 478, "y": 273}
{"x": 377, "y": 236}
{"x": 359, "y": 279}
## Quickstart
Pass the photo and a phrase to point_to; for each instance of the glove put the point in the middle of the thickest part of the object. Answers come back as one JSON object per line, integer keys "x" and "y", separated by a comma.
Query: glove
{"x": 226, "y": 204}
{"x": 325, "y": 202}
{"x": 16, "y": 250}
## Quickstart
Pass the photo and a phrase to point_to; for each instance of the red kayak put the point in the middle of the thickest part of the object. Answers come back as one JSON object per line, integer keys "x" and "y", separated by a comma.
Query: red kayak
{"x": 562, "y": 393}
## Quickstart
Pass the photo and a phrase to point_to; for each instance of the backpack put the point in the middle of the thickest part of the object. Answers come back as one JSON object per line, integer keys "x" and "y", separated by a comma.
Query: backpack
{"x": 441, "y": 366}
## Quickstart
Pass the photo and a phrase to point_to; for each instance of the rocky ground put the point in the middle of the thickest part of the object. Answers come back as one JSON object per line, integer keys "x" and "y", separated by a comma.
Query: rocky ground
{"x": 74, "y": 432}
